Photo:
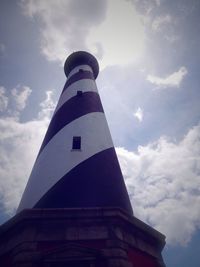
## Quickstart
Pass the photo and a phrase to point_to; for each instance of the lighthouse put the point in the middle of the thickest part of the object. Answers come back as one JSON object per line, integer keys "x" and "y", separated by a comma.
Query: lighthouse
{"x": 75, "y": 210}
{"x": 77, "y": 164}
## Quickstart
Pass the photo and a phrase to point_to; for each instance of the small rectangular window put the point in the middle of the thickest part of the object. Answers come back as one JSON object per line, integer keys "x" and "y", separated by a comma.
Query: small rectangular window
{"x": 76, "y": 145}
{"x": 79, "y": 93}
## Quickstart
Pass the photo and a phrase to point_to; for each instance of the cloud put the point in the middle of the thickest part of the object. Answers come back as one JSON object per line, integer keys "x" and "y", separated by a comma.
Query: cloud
{"x": 17, "y": 100}
{"x": 95, "y": 26}
{"x": 139, "y": 114}
{"x": 163, "y": 180}
{"x": 173, "y": 80}
{"x": 146, "y": 7}
{"x": 20, "y": 95}
{"x": 165, "y": 25}
{"x": 161, "y": 21}
{"x": 3, "y": 99}
{"x": 172, "y": 38}
{"x": 121, "y": 37}
{"x": 64, "y": 24}
{"x": 47, "y": 106}
{"x": 19, "y": 145}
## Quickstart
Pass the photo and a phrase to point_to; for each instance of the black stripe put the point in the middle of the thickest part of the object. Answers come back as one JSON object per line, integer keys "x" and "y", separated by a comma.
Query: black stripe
{"x": 96, "y": 182}
{"x": 74, "y": 108}
{"x": 78, "y": 76}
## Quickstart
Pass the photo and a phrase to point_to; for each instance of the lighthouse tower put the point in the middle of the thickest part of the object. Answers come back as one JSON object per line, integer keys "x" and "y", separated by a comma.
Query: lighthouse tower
{"x": 77, "y": 164}
{"x": 75, "y": 210}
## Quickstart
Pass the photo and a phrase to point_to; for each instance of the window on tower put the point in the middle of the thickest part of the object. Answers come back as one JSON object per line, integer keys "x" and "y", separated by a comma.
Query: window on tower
{"x": 76, "y": 144}
{"x": 79, "y": 93}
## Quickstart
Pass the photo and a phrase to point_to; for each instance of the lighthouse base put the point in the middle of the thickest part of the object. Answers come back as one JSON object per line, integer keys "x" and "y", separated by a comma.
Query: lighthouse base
{"x": 93, "y": 237}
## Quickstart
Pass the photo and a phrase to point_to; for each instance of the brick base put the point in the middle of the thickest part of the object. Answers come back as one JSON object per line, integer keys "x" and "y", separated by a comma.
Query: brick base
{"x": 93, "y": 237}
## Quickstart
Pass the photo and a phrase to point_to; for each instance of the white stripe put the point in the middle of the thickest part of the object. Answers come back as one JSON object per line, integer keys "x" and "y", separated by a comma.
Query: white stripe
{"x": 57, "y": 158}
{"x": 80, "y": 67}
{"x": 85, "y": 85}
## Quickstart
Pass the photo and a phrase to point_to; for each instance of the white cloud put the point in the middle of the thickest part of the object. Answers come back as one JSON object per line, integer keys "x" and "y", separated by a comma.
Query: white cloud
{"x": 173, "y": 80}
{"x": 157, "y": 2}
{"x": 161, "y": 21}
{"x": 96, "y": 26}
{"x": 163, "y": 180}
{"x": 16, "y": 102}
{"x": 146, "y": 7}
{"x": 139, "y": 114}
{"x": 65, "y": 24}
{"x": 47, "y": 106}
{"x": 120, "y": 36}
{"x": 20, "y": 96}
{"x": 171, "y": 38}
{"x": 3, "y": 99}
{"x": 19, "y": 145}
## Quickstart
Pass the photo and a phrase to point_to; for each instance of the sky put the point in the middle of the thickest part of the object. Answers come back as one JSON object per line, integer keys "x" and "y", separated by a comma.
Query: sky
{"x": 148, "y": 52}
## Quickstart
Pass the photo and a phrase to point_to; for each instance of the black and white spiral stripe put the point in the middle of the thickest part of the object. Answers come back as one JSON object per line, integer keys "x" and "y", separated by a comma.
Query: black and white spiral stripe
{"x": 89, "y": 177}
